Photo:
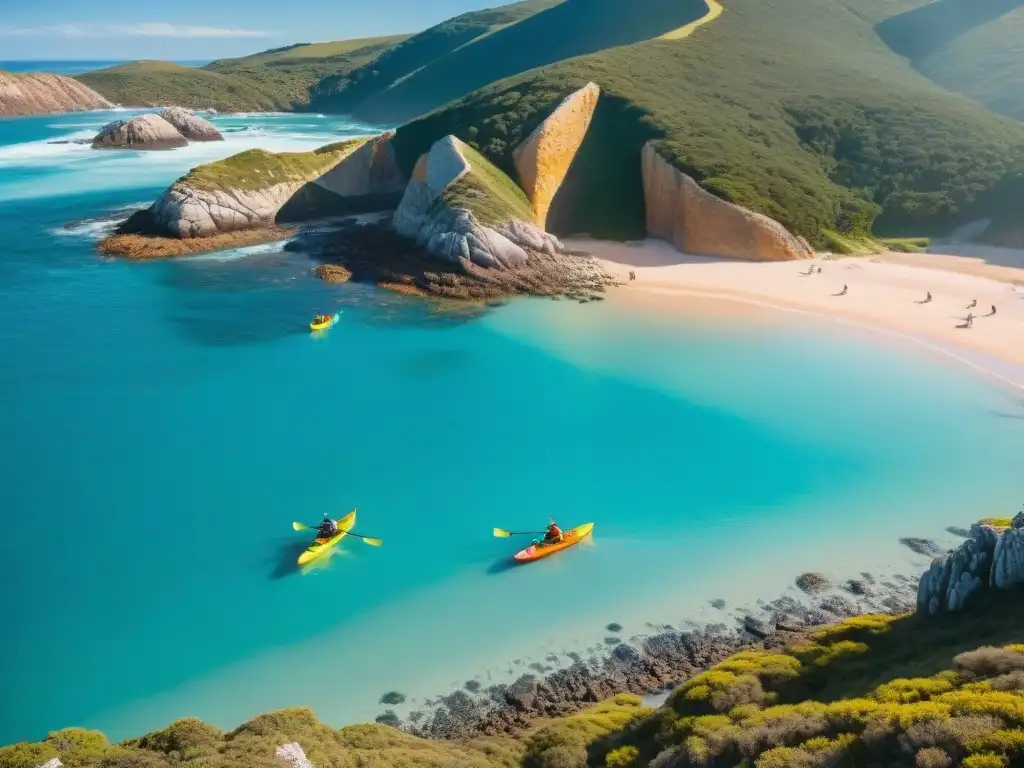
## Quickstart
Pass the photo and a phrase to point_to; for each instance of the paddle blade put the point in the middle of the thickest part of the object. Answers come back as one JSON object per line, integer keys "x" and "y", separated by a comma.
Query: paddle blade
{"x": 501, "y": 533}
{"x": 372, "y": 542}
{"x": 300, "y": 527}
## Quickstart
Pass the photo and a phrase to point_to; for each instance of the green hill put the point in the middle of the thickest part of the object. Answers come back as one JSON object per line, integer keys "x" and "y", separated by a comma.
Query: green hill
{"x": 973, "y": 47}
{"x": 279, "y": 79}
{"x": 344, "y": 92}
{"x": 818, "y": 124}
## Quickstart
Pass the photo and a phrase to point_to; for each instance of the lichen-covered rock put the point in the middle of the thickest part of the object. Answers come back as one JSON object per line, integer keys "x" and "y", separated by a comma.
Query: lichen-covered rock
{"x": 695, "y": 221}
{"x": 294, "y": 755}
{"x": 370, "y": 170}
{"x": 145, "y": 132}
{"x": 38, "y": 93}
{"x": 1008, "y": 558}
{"x": 53, "y": 762}
{"x": 542, "y": 159}
{"x": 453, "y": 233}
{"x": 189, "y": 125}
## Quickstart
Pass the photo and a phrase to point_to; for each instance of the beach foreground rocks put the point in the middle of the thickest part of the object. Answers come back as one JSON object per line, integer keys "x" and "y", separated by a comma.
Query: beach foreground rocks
{"x": 145, "y": 132}
{"x": 695, "y": 221}
{"x": 989, "y": 559}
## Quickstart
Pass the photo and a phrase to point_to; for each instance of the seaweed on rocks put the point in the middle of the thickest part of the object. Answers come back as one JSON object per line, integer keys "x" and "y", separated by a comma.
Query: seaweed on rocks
{"x": 375, "y": 253}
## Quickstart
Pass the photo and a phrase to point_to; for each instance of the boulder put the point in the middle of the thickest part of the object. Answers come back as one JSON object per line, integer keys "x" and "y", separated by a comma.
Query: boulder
{"x": 189, "y": 125}
{"x": 36, "y": 94}
{"x": 542, "y": 159}
{"x": 1008, "y": 558}
{"x": 679, "y": 211}
{"x": 145, "y": 132}
{"x": 294, "y": 755}
{"x": 454, "y": 234}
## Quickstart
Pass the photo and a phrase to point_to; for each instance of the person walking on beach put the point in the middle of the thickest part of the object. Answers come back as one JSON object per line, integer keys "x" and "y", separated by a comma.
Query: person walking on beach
{"x": 973, "y": 304}
{"x": 927, "y": 298}
{"x": 845, "y": 289}
{"x": 970, "y": 320}
{"x": 993, "y": 311}
{"x": 632, "y": 275}
{"x": 819, "y": 270}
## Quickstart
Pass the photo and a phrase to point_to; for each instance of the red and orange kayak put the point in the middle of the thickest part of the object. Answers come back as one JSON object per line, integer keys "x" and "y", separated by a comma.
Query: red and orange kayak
{"x": 569, "y": 538}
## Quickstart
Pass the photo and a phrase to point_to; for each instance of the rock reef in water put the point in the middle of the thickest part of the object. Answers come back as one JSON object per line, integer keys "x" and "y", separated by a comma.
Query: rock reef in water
{"x": 990, "y": 559}
{"x": 38, "y": 93}
{"x": 145, "y": 132}
{"x": 542, "y": 160}
{"x": 694, "y": 221}
{"x": 189, "y": 125}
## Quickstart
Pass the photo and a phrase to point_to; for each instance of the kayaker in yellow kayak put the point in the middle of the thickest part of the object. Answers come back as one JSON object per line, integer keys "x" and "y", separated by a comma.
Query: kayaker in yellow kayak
{"x": 328, "y": 528}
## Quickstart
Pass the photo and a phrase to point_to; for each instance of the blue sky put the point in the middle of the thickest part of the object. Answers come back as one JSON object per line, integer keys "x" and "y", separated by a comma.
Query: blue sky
{"x": 203, "y": 29}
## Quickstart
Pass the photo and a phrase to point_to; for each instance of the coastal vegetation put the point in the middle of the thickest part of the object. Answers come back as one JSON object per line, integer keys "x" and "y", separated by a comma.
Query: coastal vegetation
{"x": 912, "y": 691}
{"x": 487, "y": 193}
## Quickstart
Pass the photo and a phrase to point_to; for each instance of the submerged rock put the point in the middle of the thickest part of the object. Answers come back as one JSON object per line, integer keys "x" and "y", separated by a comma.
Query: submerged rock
{"x": 695, "y": 221}
{"x": 813, "y": 583}
{"x": 145, "y": 132}
{"x": 925, "y": 547}
{"x": 189, "y": 125}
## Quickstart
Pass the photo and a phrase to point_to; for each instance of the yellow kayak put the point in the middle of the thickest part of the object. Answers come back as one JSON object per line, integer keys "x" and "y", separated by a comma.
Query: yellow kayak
{"x": 569, "y": 538}
{"x": 320, "y": 546}
{"x": 322, "y": 322}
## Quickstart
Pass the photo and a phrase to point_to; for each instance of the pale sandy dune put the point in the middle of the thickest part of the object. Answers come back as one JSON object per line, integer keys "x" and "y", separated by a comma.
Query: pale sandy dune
{"x": 883, "y": 291}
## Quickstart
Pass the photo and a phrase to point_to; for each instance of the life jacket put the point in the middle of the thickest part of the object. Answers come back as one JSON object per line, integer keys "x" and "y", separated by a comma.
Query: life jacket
{"x": 554, "y": 532}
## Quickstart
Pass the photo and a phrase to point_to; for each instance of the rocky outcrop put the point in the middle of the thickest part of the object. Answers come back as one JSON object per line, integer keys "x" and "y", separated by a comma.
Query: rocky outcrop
{"x": 371, "y": 170}
{"x": 185, "y": 211}
{"x": 454, "y": 233}
{"x": 989, "y": 558}
{"x": 542, "y": 160}
{"x": 189, "y": 125}
{"x": 145, "y": 132}
{"x": 36, "y": 94}
{"x": 695, "y": 221}
{"x": 294, "y": 755}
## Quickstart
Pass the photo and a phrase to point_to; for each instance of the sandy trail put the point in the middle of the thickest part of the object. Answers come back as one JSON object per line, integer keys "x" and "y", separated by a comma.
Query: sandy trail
{"x": 885, "y": 292}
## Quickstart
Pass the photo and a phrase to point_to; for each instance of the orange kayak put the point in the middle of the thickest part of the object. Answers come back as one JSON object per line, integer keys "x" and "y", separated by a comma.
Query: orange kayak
{"x": 569, "y": 538}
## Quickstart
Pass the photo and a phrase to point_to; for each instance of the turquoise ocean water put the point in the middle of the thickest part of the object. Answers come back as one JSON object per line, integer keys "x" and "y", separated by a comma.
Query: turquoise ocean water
{"x": 162, "y": 424}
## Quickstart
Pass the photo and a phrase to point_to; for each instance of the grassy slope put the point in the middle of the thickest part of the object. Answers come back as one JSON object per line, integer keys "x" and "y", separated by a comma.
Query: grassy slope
{"x": 488, "y": 193}
{"x": 279, "y": 79}
{"x": 257, "y": 168}
{"x": 770, "y": 114}
{"x": 973, "y": 47}
{"x": 149, "y": 83}
{"x": 572, "y": 28}
{"x": 344, "y": 92}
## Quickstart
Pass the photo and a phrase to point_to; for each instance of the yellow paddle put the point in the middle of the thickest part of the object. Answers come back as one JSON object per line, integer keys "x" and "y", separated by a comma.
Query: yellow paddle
{"x": 368, "y": 539}
{"x": 501, "y": 533}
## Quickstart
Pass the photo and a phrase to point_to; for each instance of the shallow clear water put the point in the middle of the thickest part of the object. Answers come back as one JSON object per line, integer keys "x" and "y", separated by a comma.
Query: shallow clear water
{"x": 162, "y": 424}
{"x": 71, "y": 67}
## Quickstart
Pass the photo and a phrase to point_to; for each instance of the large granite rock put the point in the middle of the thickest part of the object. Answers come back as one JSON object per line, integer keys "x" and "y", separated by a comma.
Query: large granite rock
{"x": 987, "y": 559}
{"x": 371, "y": 170}
{"x": 294, "y": 755}
{"x": 455, "y": 234}
{"x": 145, "y": 132}
{"x": 35, "y": 94}
{"x": 189, "y": 125}
{"x": 542, "y": 160}
{"x": 695, "y": 221}
{"x": 188, "y": 209}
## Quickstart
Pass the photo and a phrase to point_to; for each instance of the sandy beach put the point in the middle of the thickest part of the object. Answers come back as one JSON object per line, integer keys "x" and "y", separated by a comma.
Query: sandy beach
{"x": 886, "y": 293}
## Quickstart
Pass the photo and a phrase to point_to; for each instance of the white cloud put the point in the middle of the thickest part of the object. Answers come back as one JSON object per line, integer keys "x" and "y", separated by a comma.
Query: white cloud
{"x": 146, "y": 29}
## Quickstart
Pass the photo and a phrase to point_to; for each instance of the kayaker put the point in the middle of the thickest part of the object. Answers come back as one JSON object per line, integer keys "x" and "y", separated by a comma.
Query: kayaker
{"x": 328, "y": 528}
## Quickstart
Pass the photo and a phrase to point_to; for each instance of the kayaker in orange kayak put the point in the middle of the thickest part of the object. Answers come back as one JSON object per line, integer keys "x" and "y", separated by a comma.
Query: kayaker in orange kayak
{"x": 320, "y": 319}
{"x": 552, "y": 535}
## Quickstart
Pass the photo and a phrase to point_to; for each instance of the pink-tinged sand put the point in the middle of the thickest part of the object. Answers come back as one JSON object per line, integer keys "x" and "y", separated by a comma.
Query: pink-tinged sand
{"x": 884, "y": 291}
